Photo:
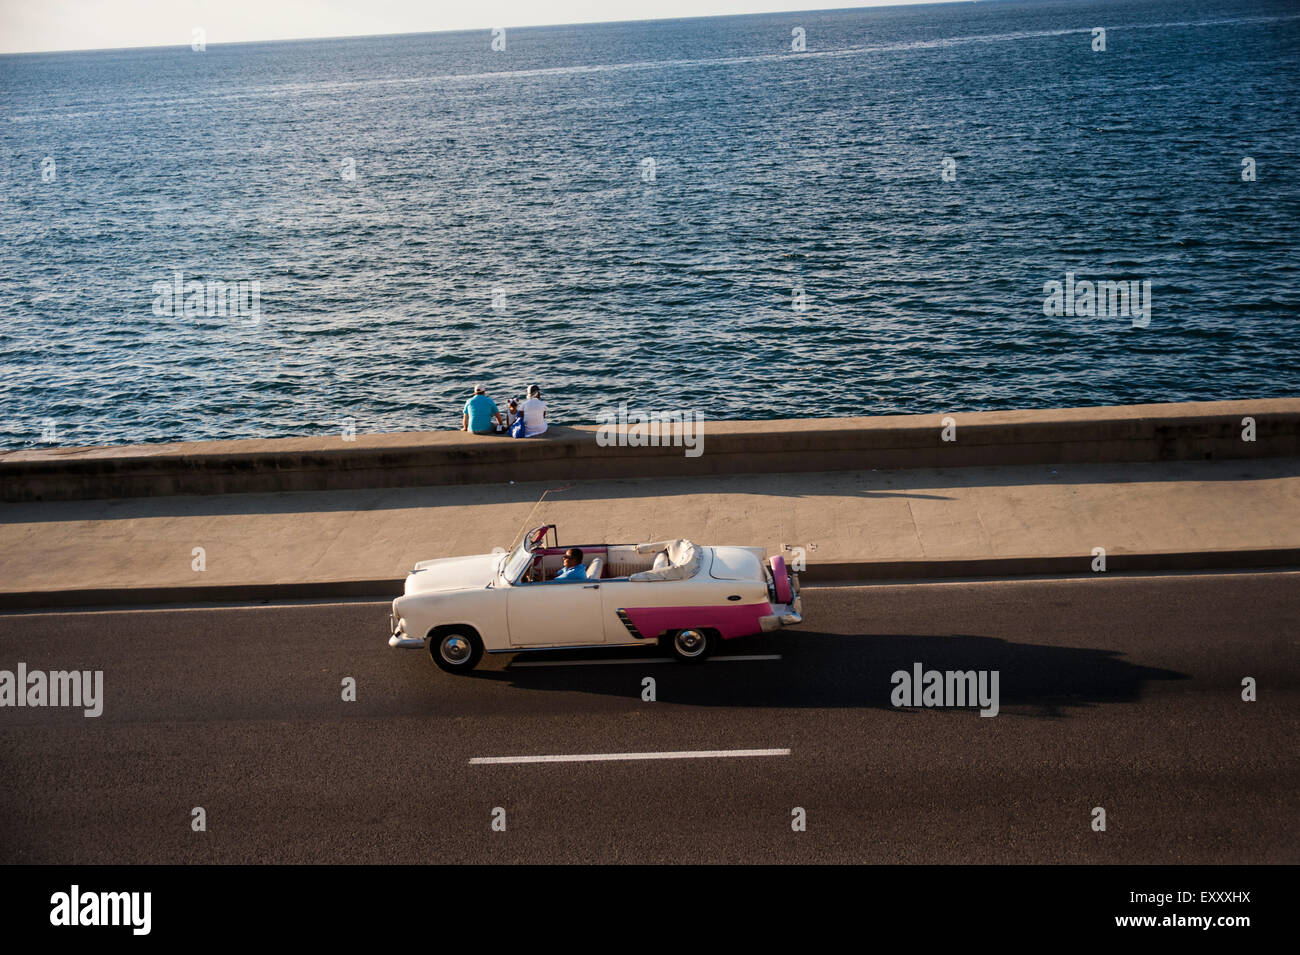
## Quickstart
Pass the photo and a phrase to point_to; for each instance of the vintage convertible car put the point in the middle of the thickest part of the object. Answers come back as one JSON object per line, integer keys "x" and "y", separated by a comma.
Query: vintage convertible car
{"x": 684, "y": 596}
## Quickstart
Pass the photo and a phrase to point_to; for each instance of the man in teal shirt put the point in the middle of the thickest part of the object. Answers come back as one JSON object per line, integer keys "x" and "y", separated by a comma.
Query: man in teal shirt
{"x": 479, "y": 413}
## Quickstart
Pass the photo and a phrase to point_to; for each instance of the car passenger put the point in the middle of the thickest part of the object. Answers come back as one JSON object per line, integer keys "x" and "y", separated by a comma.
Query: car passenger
{"x": 573, "y": 568}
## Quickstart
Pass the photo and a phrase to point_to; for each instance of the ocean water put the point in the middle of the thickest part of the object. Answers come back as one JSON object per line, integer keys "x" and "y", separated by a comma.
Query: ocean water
{"x": 624, "y": 212}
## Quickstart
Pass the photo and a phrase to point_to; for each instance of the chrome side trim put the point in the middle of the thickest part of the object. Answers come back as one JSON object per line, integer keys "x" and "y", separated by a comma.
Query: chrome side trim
{"x": 561, "y": 646}
{"x": 631, "y": 627}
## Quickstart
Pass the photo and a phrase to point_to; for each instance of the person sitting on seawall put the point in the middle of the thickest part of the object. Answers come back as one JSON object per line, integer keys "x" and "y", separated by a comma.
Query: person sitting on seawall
{"x": 479, "y": 413}
{"x": 533, "y": 411}
{"x": 573, "y": 568}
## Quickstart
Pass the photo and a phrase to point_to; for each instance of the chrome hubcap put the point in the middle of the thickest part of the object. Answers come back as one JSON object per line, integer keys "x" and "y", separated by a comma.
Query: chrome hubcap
{"x": 690, "y": 643}
{"x": 455, "y": 648}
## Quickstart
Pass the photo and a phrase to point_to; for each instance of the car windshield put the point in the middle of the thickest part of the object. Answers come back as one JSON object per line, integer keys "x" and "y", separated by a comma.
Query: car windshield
{"x": 516, "y": 562}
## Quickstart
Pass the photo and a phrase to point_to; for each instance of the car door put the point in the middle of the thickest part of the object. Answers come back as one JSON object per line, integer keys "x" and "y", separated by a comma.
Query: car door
{"x": 554, "y": 615}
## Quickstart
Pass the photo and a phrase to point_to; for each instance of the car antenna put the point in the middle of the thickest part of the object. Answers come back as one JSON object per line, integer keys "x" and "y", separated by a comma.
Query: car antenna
{"x": 524, "y": 530}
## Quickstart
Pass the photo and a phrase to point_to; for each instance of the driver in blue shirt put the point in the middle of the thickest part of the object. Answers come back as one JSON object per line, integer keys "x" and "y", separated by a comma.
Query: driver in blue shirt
{"x": 573, "y": 568}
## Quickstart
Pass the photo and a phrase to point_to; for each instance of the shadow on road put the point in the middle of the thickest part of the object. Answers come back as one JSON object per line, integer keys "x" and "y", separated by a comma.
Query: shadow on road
{"x": 839, "y": 670}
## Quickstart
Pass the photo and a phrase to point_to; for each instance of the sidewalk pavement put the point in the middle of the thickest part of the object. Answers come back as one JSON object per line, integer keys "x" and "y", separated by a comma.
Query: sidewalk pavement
{"x": 852, "y": 524}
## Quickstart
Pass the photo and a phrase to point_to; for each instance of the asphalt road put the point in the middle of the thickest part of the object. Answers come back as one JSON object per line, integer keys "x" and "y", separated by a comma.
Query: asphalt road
{"x": 1115, "y": 692}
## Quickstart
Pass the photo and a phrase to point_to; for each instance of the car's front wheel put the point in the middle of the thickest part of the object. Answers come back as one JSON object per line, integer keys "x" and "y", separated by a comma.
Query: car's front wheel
{"x": 689, "y": 646}
{"x": 455, "y": 650}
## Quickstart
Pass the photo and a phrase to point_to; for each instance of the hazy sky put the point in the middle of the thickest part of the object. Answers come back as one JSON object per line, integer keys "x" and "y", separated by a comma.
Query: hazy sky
{"x": 34, "y": 25}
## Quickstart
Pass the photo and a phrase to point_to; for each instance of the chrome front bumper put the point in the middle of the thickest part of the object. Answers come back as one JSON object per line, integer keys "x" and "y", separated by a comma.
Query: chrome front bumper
{"x": 791, "y": 617}
{"x": 400, "y": 639}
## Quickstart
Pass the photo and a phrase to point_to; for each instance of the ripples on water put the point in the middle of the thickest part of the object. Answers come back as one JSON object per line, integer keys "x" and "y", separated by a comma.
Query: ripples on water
{"x": 523, "y": 171}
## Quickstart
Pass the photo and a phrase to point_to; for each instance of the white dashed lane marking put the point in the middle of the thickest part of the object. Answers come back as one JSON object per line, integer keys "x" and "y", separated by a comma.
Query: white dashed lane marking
{"x": 609, "y": 757}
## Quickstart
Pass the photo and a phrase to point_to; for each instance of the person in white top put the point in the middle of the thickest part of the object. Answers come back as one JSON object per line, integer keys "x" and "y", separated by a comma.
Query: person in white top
{"x": 533, "y": 411}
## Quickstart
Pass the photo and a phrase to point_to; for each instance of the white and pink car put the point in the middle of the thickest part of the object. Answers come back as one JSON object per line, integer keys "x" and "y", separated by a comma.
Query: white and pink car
{"x": 686, "y": 597}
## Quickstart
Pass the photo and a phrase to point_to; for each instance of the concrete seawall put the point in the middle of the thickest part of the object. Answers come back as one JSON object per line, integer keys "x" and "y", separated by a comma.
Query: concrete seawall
{"x": 843, "y": 572}
{"x": 1136, "y": 433}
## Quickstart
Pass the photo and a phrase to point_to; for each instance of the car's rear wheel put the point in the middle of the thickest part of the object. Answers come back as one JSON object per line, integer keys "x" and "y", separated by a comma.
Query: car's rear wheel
{"x": 456, "y": 650}
{"x": 689, "y": 646}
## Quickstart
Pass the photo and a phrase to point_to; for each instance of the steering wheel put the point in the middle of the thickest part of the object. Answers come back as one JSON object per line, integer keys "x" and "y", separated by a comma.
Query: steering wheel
{"x": 533, "y": 572}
